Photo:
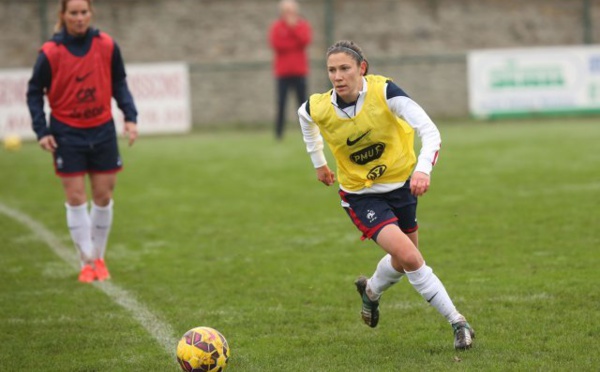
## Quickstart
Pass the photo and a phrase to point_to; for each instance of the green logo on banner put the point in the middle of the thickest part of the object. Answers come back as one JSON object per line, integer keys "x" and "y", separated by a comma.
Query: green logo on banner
{"x": 513, "y": 76}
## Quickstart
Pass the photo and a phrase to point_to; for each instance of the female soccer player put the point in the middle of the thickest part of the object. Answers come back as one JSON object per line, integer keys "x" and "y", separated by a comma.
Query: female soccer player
{"x": 369, "y": 124}
{"x": 79, "y": 70}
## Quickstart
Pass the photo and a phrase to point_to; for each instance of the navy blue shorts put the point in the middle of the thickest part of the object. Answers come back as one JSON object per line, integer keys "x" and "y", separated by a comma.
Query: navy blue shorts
{"x": 371, "y": 212}
{"x": 78, "y": 159}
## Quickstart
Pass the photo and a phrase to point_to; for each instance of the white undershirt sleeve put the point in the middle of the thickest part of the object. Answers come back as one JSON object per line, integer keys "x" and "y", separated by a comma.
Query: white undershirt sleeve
{"x": 312, "y": 137}
{"x": 427, "y": 131}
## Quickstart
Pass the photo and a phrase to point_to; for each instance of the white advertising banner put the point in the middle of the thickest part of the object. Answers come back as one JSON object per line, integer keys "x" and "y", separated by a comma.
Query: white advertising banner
{"x": 553, "y": 80}
{"x": 161, "y": 93}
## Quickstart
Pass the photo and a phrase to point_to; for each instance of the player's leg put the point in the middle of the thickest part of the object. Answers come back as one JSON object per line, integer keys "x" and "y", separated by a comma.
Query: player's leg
{"x": 405, "y": 256}
{"x": 414, "y": 238}
{"x": 369, "y": 214}
{"x": 401, "y": 256}
{"x": 104, "y": 165}
{"x": 78, "y": 218}
{"x": 384, "y": 277}
{"x": 420, "y": 275}
{"x": 71, "y": 165}
{"x": 371, "y": 289}
{"x": 79, "y": 224}
{"x": 389, "y": 271}
{"x": 433, "y": 291}
{"x": 102, "y": 216}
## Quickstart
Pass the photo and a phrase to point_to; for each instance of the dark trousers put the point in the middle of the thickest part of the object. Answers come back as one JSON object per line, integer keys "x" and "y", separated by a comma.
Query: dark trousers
{"x": 298, "y": 83}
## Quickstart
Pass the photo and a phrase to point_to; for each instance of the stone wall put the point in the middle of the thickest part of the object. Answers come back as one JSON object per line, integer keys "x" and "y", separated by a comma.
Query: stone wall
{"x": 420, "y": 43}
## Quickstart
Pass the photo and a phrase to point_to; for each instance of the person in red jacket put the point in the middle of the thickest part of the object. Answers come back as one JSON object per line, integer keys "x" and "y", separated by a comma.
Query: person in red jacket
{"x": 289, "y": 37}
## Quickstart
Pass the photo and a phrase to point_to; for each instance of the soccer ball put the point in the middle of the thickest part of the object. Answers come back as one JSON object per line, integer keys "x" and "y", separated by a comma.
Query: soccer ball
{"x": 203, "y": 349}
{"x": 12, "y": 142}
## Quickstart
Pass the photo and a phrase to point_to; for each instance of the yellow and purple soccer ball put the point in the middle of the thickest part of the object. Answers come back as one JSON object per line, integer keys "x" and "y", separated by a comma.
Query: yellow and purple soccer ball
{"x": 203, "y": 349}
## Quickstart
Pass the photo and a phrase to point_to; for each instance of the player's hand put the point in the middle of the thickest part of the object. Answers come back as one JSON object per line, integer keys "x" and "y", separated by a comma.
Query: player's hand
{"x": 325, "y": 175}
{"x": 48, "y": 143}
{"x": 419, "y": 183}
{"x": 131, "y": 131}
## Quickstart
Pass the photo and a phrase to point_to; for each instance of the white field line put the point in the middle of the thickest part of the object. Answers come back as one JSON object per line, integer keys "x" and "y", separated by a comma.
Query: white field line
{"x": 161, "y": 331}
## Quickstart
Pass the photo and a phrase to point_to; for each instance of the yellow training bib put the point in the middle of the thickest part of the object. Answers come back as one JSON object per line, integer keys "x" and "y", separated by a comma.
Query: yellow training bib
{"x": 375, "y": 146}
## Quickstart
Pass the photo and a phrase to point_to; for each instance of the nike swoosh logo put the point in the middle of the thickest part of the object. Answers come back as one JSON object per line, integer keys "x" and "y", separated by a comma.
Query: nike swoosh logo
{"x": 350, "y": 142}
{"x": 432, "y": 297}
{"x": 79, "y": 79}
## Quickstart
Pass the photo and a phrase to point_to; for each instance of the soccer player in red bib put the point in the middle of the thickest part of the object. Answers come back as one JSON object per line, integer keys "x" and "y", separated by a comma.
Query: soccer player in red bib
{"x": 369, "y": 124}
{"x": 80, "y": 70}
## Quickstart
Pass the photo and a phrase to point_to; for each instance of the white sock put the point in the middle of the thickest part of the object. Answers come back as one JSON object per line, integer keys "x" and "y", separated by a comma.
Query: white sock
{"x": 384, "y": 277}
{"x": 433, "y": 291}
{"x": 78, "y": 221}
{"x": 101, "y": 218}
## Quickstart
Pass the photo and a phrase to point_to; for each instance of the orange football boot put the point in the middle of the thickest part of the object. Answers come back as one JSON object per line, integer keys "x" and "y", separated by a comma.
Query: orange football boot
{"x": 101, "y": 270}
{"x": 87, "y": 274}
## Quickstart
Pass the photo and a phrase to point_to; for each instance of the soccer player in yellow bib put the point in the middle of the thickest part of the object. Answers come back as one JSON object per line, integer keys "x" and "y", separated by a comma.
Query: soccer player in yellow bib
{"x": 369, "y": 124}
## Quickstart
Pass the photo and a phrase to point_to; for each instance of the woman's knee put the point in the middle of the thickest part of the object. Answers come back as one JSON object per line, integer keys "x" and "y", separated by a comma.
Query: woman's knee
{"x": 407, "y": 258}
{"x": 74, "y": 188}
{"x": 102, "y": 196}
{"x": 102, "y": 188}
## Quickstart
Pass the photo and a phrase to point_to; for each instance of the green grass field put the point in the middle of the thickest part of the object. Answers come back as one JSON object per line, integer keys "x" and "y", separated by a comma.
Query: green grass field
{"x": 232, "y": 231}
